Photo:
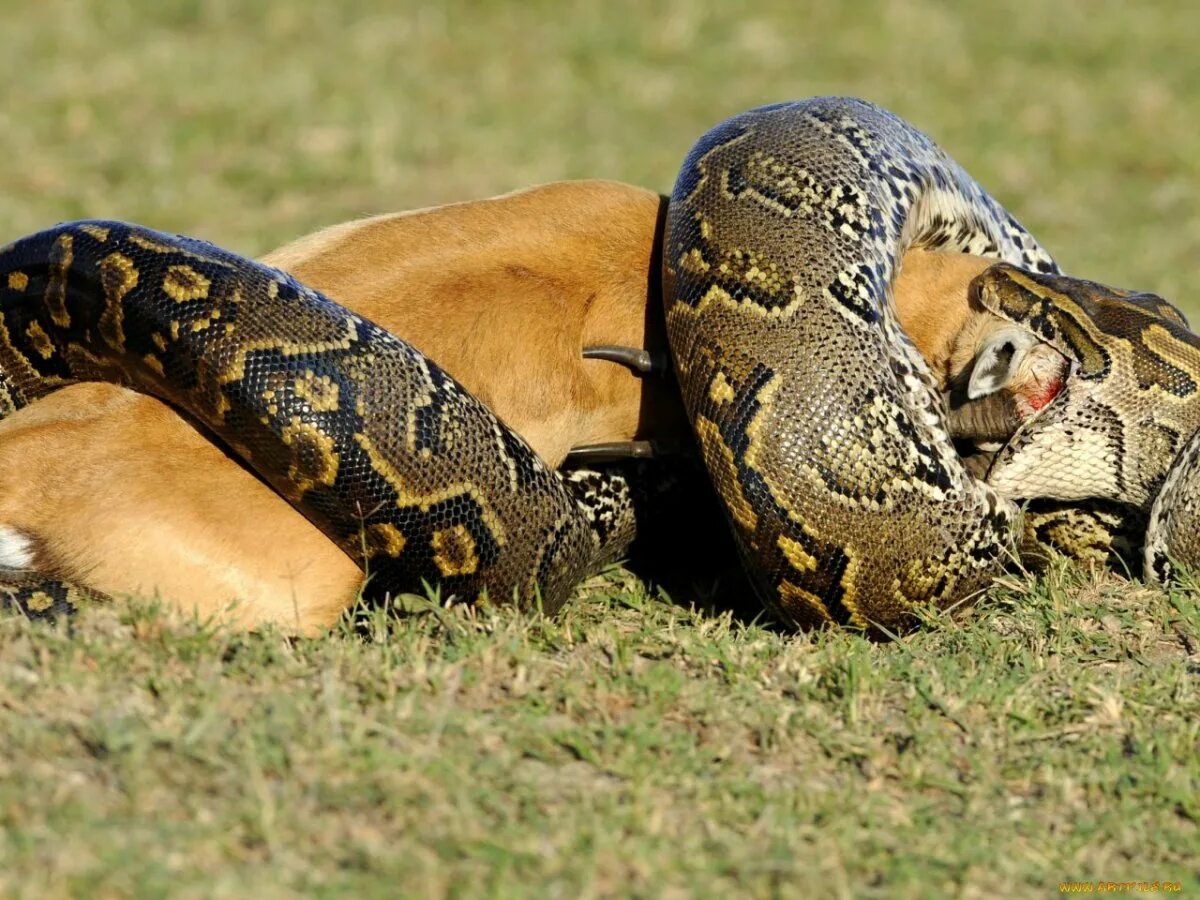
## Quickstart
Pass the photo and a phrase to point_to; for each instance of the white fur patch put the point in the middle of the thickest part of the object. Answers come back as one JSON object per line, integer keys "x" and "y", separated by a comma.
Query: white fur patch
{"x": 16, "y": 550}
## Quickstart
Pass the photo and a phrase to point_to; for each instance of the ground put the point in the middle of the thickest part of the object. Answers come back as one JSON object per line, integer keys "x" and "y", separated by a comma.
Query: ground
{"x": 640, "y": 743}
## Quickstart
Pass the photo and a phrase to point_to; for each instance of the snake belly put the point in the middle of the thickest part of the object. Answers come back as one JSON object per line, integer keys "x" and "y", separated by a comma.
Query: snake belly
{"x": 817, "y": 419}
{"x": 396, "y": 462}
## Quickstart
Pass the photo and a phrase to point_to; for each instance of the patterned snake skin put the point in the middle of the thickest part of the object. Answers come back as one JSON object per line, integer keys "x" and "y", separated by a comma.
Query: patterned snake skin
{"x": 1174, "y": 532}
{"x": 818, "y": 421}
{"x": 392, "y": 458}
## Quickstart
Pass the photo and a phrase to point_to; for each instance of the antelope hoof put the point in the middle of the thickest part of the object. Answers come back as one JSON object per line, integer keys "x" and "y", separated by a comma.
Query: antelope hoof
{"x": 641, "y": 361}
{"x": 615, "y": 451}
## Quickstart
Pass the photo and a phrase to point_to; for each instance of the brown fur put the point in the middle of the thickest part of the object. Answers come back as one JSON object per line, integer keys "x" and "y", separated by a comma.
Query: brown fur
{"x": 121, "y": 493}
{"x": 931, "y": 303}
{"x": 117, "y": 490}
{"x": 505, "y": 293}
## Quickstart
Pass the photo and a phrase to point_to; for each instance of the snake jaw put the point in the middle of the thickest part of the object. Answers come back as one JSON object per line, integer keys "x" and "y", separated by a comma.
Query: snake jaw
{"x": 1049, "y": 456}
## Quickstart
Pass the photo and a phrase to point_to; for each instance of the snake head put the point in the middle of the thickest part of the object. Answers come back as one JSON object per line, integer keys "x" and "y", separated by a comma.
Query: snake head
{"x": 1131, "y": 398}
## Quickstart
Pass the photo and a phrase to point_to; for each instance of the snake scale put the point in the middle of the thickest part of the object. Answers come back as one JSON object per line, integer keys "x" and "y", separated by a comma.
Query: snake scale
{"x": 818, "y": 421}
{"x": 392, "y": 458}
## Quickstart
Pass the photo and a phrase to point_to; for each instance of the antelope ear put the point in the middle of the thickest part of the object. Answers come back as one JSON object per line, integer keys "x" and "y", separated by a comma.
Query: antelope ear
{"x": 998, "y": 359}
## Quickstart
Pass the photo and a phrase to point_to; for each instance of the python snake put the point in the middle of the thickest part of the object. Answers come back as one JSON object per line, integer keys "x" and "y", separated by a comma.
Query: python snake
{"x": 394, "y": 460}
{"x": 818, "y": 421}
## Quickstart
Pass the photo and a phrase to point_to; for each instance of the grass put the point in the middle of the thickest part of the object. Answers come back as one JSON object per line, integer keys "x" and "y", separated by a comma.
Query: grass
{"x": 632, "y": 745}
{"x": 627, "y": 747}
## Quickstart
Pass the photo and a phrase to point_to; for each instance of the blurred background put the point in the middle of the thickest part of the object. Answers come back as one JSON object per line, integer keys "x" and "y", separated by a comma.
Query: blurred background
{"x": 250, "y": 122}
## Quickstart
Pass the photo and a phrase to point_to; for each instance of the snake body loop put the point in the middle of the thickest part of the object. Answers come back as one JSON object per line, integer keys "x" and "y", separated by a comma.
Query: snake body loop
{"x": 384, "y": 451}
{"x": 818, "y": 421}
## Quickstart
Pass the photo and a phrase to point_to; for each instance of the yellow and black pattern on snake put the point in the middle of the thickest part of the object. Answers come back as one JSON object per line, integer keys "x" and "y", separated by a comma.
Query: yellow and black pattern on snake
{"x": 1092, "y": 532}
{"x": 1130, "y": 404}
{"x": 818, "y": 421}
{"x": 33, "y": 596}
{"x": 1173, "y": 535}
{"x": 391, "y": 457}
